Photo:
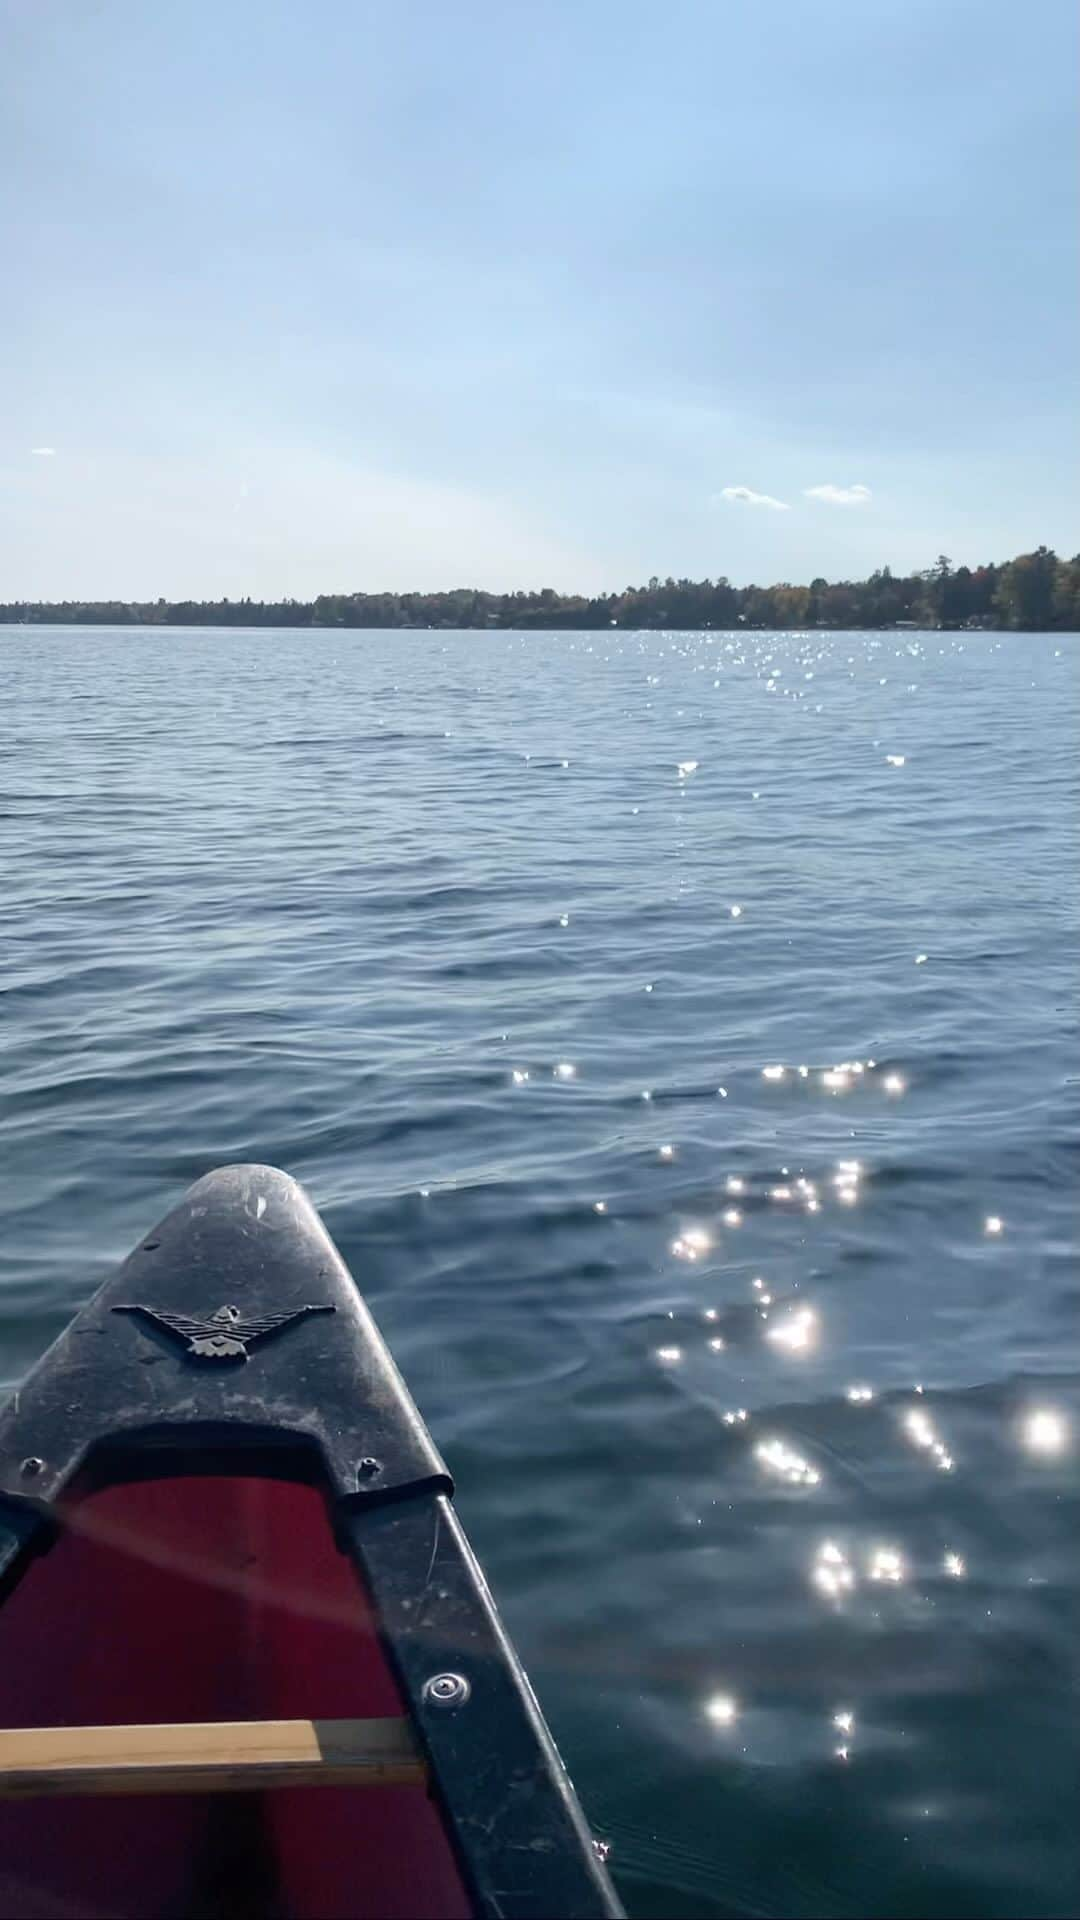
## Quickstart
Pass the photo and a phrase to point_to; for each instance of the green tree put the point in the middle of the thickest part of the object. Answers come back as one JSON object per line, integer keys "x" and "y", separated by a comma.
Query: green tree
{"x": 1025, "y": 590}
{"x": 1067, "y": 595}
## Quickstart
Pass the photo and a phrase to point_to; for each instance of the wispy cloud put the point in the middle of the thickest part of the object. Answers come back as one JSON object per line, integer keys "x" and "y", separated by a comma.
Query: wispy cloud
{"x": 856, "y": 496}
{"x": 43, "y": 453}
{"x": 746, "y": 497}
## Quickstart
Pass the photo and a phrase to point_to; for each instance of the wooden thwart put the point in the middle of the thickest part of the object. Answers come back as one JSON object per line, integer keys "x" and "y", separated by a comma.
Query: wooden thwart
{"x": 208, "y": 1757}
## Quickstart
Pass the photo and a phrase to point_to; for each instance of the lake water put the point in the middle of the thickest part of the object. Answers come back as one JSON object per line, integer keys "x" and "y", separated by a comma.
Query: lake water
{"x": 499, "y": 943}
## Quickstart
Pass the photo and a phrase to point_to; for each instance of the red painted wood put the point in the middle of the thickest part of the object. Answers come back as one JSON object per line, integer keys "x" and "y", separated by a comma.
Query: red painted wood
{"x": 203, "y": 1598}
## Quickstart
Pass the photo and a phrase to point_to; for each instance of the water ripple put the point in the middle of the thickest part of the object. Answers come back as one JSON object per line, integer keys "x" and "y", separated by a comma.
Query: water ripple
{"x": 661, "y": 1021}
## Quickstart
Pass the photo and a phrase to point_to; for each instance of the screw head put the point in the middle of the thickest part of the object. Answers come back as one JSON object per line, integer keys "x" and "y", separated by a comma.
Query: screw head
{"x": 446, "y": 1690}
{"x": 368, "y": 1467}
{"x": 32, "y": 1464}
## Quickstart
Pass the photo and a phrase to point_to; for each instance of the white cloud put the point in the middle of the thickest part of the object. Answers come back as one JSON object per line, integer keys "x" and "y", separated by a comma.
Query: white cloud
{"x": 43, "y": 453}
{"x": 856, "y": 496}
{"x": 746, "y": 497}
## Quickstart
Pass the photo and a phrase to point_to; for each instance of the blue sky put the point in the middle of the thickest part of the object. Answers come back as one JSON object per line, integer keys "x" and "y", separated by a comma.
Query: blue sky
{"x": 358, "y": 295}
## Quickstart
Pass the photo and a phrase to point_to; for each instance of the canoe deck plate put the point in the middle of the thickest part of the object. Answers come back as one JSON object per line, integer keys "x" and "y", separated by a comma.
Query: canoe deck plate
{"x": 170, "y": 1375}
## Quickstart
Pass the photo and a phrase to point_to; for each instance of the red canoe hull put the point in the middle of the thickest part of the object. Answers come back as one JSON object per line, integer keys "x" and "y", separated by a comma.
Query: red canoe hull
{"x": 206, "y": 1598}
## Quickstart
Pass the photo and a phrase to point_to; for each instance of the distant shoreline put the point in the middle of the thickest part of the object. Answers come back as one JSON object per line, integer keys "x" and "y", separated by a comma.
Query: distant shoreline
{"x": 643, "y": 626}
{"x": 1034, "y": 592}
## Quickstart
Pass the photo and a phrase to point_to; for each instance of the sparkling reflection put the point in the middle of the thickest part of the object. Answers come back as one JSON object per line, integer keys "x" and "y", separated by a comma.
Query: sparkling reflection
{"x": 954, "y": 1566}
{"x": 797, "y": 1333}
{"x": 1045, "y": 1431}
{"x": 782, "y": 1460}
{"x": 669, "y": 1356}
{"x": 690, "y": 1244}
{"x": 887, "y": 1564}
{"x": 832, "y": 1572}
{"x": 922, "y": 1433}
{"x": 919, "y": 1427}
{"x": 722, "y": 1710}
{"x": 565, "y": 1070}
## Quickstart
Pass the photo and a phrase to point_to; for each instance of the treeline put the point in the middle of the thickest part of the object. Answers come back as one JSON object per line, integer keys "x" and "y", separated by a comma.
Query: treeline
{"x": 1035, "y": 592}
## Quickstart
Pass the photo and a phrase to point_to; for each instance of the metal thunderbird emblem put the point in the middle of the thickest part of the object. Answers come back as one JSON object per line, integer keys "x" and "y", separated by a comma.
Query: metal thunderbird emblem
{"x": 225, "y": 1335}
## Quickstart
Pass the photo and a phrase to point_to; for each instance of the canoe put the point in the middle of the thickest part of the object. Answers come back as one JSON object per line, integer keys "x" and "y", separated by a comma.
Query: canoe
{"x": 249, "y": 1664}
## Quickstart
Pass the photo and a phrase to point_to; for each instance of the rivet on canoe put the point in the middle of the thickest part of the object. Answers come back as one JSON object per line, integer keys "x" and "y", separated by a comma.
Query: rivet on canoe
{"x": 368, "y": 1467}
{"x": 32, "y": 1464}
{"x": 446, "y": 1690}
